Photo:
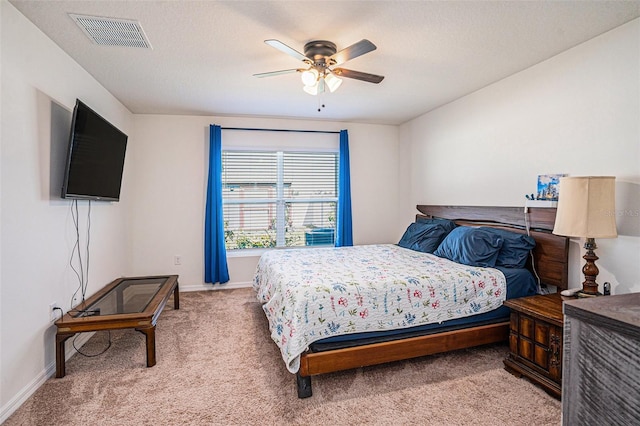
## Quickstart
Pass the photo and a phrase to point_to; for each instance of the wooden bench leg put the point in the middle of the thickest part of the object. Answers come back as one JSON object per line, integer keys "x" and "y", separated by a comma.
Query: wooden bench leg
{"x": 60, "y": 354}
{"x": 150, "y": 337}
{"x": 176, "y": 298}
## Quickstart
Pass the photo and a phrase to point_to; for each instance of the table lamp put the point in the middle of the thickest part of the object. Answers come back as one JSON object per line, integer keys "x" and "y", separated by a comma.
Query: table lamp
{"x": 586, "y": 209}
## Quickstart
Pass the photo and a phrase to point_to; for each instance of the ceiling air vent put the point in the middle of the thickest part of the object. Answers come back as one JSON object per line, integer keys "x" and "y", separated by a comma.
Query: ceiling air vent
{"x": 112, "y": 31}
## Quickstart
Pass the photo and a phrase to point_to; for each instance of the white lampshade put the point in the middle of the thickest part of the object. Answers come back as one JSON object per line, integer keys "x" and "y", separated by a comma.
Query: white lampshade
{"x": 309, "y": 77}
{"x": 586, "y": 207}
{"x": 332, "y": 81}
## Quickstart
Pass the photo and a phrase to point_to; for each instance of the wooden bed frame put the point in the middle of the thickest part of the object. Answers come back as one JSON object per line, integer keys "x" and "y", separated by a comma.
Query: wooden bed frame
{"x": 551, "y": 266}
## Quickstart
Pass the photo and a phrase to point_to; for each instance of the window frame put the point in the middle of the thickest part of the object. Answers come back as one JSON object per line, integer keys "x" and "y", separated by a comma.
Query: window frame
{"x": 280, "y": 200}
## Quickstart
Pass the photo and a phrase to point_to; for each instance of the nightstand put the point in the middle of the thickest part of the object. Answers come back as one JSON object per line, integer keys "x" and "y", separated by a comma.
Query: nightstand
{"x": 535, "y": 340}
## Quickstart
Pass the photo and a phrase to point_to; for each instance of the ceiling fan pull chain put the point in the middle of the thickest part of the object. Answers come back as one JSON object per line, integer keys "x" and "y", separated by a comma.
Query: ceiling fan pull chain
{"x": 320, "y": 102}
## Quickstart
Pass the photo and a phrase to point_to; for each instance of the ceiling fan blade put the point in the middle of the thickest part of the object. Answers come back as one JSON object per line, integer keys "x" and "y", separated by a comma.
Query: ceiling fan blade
{"x": 370, "y": 78}
{"x": 286, "y": 49}
{"x": 353, "y": 51}
{"x": 272, "y": 73}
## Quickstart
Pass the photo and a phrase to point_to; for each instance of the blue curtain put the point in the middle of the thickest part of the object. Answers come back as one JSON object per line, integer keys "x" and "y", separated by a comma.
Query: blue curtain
{"x": 344, "y": 232}
{"x": 215, "y": 253}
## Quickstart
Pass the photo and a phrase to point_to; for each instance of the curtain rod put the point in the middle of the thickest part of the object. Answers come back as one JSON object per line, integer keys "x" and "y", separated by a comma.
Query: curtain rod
{"x": 279, "y": 130}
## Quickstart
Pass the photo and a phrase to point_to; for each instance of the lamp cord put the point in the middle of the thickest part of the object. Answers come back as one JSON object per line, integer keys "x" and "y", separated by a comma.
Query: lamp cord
{"x": 527, "y": 224}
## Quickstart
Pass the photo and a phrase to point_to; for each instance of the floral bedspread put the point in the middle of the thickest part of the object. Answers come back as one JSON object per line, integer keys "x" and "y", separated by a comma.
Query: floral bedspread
{"x": 311, "y": 294}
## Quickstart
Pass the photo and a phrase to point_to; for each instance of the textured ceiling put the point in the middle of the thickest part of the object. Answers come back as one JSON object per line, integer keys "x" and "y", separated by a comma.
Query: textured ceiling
{"x": 205, "y": 52}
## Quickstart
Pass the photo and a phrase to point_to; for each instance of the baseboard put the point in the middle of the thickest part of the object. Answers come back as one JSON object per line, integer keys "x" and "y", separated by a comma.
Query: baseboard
{"x": 209, "y": 287}
{"x": 25, "y": 393}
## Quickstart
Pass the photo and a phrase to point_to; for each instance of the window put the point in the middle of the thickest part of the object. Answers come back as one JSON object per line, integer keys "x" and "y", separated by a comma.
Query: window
{"x": 279, "y": 198}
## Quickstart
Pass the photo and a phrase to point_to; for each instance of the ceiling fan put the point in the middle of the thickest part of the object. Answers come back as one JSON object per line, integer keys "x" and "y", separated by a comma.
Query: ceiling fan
{"x": 321, "y": 56}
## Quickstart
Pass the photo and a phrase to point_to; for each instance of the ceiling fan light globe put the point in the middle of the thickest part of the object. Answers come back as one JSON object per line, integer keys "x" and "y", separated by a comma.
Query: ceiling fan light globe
{"x": 309, "y": 77}
{"x": 312, "y": 90}
{"x": 332, "y": 82}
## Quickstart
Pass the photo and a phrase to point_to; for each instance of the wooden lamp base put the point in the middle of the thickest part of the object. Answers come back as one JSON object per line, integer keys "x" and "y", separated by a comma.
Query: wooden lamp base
{"x": 590, "y": 271}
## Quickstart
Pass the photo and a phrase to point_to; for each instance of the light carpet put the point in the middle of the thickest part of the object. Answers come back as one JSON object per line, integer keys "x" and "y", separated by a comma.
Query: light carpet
{"x": 216, "y": 365}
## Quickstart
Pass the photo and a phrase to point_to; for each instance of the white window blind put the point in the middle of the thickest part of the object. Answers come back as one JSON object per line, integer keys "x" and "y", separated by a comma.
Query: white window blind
{"x": 279, "y": 198}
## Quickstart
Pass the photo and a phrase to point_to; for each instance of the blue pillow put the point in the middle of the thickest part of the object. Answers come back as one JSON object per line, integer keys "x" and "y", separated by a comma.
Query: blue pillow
{"x": 424, "y": 236}
{"x": 446, "y": 223}
{"x": 470, "y": 246}
{"x": 515, "y": 248}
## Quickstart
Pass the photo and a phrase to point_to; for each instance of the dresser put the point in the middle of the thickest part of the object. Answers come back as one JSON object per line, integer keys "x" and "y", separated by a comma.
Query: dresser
{"x": 601, "y": 382}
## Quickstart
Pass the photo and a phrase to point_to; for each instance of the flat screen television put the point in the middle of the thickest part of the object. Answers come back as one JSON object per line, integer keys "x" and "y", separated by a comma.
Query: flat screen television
{"x": 95, "y": 159}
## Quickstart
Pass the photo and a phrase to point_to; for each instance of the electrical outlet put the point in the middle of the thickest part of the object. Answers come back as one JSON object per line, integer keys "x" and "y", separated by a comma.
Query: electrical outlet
{"x": 54, "y": 312}
{"x": 177, "y": 260}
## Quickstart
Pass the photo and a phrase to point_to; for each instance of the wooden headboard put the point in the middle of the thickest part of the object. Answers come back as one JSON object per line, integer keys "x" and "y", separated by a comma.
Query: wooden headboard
{"x": 551, "y": 254}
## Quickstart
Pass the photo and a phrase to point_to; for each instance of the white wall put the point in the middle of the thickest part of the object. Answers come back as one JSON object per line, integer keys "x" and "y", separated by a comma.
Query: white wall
{"x": 169, "y": 181}
{"x": 576, "y": 113}
{"x": 39, "y": 85}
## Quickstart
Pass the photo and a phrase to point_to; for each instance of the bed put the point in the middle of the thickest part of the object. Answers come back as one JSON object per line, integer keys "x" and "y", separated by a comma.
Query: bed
{"x": 336, "y": 309}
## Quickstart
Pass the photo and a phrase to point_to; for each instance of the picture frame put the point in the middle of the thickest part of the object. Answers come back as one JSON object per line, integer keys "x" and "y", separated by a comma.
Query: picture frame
{"x": 548, "y": 186}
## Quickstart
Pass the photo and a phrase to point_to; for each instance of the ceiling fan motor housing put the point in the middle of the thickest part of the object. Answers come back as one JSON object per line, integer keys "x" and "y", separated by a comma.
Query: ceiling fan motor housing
{"x": 320, "y": 51}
